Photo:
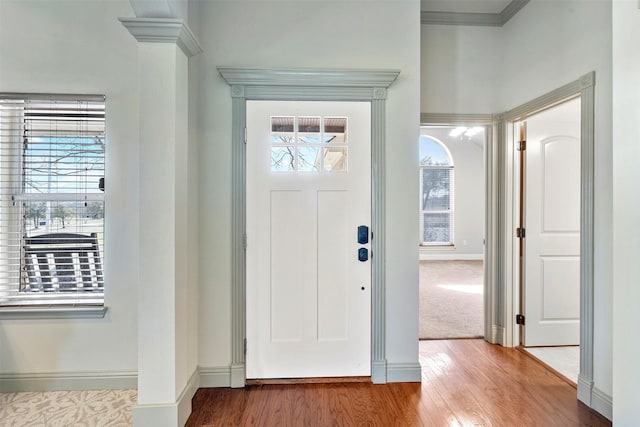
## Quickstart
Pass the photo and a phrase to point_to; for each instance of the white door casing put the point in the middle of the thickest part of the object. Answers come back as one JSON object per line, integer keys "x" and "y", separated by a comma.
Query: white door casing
{"x": 552, "y": 223}
{"x": 308, "y": 296}
{"x": 248, "y": 83}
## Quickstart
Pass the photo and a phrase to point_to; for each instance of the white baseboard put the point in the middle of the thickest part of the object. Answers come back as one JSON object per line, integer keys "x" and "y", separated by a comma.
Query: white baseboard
{"x": 595, "y": 398}
{"x": 381, "y": 372}
{"x": 404, "y": 372}
{"x": 602, "y": 402}
{"x": 202, "y": 377}
{"x": 215, "y": 376}
{"x": 184, "y": 400}
{"x": 56, "y": 381}
{"x": 170, "y": 414}
{"x": 426, "y": 256}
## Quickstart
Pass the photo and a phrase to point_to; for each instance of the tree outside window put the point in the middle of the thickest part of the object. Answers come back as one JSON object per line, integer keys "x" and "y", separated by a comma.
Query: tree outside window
{"x": 436, "y": 193}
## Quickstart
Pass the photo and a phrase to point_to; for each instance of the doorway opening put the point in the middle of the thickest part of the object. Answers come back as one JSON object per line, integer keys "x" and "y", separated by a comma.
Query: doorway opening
{"x": 549, "y": 153}
{"x": 452, "y": 230}
{"x": 508, "y": 304}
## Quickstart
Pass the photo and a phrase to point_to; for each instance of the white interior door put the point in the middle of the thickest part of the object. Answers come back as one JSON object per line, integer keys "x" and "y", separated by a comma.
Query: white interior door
{"x": 308, "y": 190}
{"x": 552, "y": 223}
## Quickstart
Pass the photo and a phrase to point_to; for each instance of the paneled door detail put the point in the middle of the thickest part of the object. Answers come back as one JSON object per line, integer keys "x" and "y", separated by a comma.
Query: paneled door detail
{"x": 308, "y": 262}
{"x": 552, "y": 220}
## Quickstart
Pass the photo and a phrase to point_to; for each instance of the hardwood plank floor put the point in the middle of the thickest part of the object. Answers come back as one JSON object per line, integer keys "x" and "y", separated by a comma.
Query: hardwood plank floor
{"x": 464, "y": 383}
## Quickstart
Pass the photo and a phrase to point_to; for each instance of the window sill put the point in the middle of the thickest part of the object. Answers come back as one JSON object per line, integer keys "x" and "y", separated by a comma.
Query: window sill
{"x": 437, "y": 246}
{"x": 49, "y": 312}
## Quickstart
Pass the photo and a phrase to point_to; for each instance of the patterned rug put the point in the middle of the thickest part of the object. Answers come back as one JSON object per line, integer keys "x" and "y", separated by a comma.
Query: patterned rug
{"x": 451, "y": 299}
{"x": 90, "y": 408}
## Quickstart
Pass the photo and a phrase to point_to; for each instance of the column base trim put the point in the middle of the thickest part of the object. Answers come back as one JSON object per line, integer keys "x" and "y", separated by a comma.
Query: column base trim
{"x": 238, "y": 376}
{"x": 379, "y": 372}
{"x": 170, "y": 414}
{"x": 497, "y": 335}
{"x": 585, "y": 388}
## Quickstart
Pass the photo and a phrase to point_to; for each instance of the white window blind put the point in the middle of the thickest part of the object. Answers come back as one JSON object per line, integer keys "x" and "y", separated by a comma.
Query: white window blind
{"x": 437, "y": 212}
{"x": 52, "y": 150}
{"x": 436, "y": 193}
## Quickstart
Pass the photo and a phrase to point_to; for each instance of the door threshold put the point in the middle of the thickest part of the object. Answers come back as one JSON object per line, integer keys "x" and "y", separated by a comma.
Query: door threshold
{"x": 548, "y": 367}
{"x": 312, "y": 380}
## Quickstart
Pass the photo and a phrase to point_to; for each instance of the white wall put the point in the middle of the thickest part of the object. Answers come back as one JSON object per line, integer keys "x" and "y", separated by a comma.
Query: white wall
{"x": 348, "y": 34}
{"x": 468, "y": 161}
{"x": 460, "y": 69}
{"x": 80, "y": 47}
{"x": 626, "y": 206}
{"x": 546, "y": 45}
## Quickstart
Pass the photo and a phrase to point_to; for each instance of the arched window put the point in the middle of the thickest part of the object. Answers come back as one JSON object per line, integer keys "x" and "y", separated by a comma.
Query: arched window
{"x": 436, "y": 192}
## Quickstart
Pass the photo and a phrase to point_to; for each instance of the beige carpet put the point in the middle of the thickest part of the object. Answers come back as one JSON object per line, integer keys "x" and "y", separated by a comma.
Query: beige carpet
{"x": 451, "y": 299}
{"x": 91, "y": 408}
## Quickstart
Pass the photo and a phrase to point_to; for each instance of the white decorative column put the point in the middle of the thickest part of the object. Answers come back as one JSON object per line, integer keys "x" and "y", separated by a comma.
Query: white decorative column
{"x": 166, "y": 382}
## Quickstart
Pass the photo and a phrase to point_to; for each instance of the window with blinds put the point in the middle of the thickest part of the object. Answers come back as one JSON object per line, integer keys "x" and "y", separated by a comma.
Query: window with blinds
{"x": 436, "y": 193}
{"x": 52, "y": 152}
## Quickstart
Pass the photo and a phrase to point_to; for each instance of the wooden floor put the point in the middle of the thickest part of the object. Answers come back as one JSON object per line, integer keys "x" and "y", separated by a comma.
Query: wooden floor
{"x": 464, "y": 383}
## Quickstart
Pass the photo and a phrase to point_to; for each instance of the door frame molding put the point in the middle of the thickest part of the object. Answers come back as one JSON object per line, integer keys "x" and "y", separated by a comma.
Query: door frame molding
{"x": 267, "y": 84}
{"x": 493, "y": 332}
{"x": 501, "y": 271}
{"x": 584, "y": 87}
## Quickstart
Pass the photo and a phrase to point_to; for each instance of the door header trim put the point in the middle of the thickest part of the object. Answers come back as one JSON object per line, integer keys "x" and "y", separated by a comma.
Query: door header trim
{"x": 307, "y": 77}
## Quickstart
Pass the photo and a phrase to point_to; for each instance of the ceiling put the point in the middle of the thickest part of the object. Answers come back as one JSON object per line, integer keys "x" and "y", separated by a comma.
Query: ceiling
{"x": 494, "y": 13}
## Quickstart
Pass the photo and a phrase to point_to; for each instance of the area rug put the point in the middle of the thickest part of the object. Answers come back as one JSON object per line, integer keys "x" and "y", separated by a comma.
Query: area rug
{"x": 88, "y": 408}
{"x": 451, "y": 299}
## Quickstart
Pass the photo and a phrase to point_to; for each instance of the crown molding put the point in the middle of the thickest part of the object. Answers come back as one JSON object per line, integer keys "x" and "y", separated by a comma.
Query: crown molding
{"x": 308, "y": 77}
{"x": 511, "y": 9}
{"x": 473, "y": 19}
{"x": 163, "y": 30}
{"x": 159, "y": 8}
{"x": 455, "y": 18}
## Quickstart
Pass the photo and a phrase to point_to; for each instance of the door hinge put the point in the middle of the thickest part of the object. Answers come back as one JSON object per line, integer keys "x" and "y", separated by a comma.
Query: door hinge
{"x": 520, "y": 319}
{"x": 244, "y": 241}
{"x": 245, "y": 346}
{"x": 521, "y": 145}
{"x": 520, "y": 233}
{"x": 245, "y": 135}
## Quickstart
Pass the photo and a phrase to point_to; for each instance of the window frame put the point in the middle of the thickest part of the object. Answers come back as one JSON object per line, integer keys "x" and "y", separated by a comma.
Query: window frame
{"x": 40, "y": 304}
{"x": 451, "y": 211}
{"x": 297, "y": 144}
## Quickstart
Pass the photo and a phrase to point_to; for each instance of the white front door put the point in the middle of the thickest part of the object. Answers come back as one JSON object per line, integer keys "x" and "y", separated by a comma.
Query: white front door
{"x": 552, "y": 224}
{"x": 308, "y": 190}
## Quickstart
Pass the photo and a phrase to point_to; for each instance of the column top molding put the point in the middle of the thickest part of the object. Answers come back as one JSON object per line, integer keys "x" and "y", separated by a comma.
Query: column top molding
{"x": 308, "y": 77}
{"x": 163, "y": 30}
